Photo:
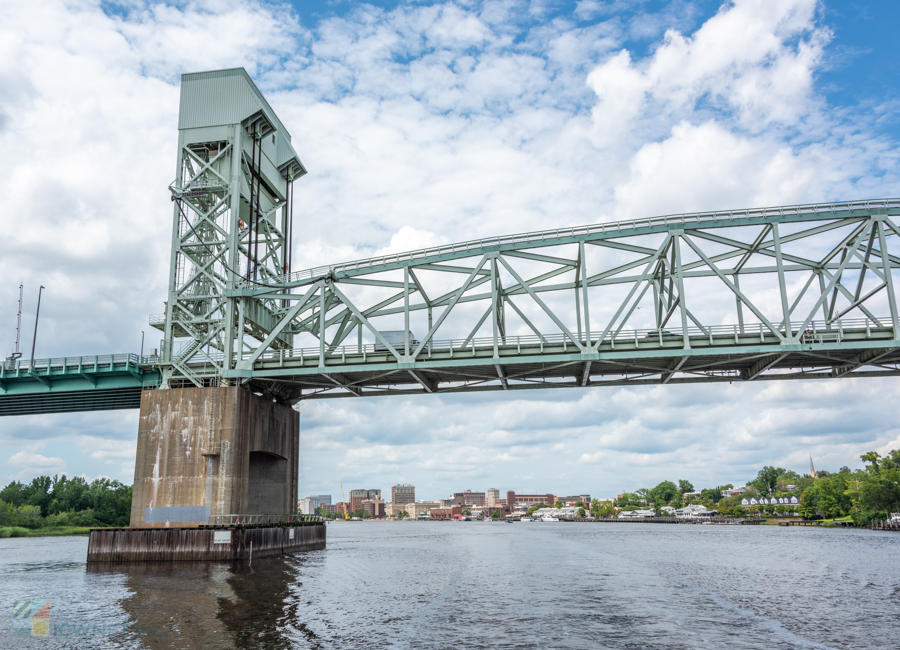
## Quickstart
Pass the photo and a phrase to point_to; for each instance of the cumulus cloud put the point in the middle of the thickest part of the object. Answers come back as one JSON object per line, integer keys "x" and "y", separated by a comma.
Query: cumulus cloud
{"x": 423, "y": 125}
{"x": 29, "y": 463}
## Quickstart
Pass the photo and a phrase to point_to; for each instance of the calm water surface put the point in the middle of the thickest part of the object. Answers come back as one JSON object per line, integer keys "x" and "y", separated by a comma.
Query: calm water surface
{"x": 482, "y": 585}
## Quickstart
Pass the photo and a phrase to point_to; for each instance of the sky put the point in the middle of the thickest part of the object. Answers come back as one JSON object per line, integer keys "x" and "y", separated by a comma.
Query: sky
{"x": 430, "y": 122}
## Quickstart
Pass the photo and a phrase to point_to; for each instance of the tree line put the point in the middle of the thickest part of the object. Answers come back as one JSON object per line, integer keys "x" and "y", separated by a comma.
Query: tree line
{"x": 866, "y": 495}
{"x": 61, "y": 501}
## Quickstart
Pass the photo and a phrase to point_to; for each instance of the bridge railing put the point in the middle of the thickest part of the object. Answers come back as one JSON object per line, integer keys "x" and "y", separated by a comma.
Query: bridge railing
{"x": 76, "y": 364}
{"x": 685, "y": 219}
{"x": 816, "y": 331}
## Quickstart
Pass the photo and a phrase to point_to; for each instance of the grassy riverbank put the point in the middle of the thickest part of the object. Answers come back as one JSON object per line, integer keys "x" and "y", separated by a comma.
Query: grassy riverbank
{"x": 18, "y": 531}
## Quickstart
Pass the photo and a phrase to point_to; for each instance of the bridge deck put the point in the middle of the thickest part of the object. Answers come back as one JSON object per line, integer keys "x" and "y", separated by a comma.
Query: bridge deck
{"x": 723, "y": 353}
{"x": 94, "y": 383}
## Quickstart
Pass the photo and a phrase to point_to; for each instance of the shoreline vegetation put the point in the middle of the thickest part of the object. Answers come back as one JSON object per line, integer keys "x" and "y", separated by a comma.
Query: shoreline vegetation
{"x": 18, "y": 531}
{"x": 57, "y": 506}
{"x": 864, "y": 496}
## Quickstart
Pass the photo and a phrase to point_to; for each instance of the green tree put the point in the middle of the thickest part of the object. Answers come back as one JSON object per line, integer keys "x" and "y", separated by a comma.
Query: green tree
{"x": 496, "y": 514}
{"x": 767, "y": 479}
{"x": 664, "y": 492}
{"x": 559, "y": 504}
{"x": 685, "y": 486}
{"x": 711, "y": 496}
{"x": 466, "y": 512}
{"x": 581, "y": 512}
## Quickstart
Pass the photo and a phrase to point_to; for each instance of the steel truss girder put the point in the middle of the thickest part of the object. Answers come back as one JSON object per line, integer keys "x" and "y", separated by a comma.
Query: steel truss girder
{"x": 538, "y": 286}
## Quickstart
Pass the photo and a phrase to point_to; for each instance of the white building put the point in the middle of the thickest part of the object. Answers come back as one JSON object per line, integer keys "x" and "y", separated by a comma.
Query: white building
{"x": 636, "y": 514}
{"x": 306, "y": 506}
{"x": 771, "y": 501}
{"x": 493, "y": 497}
{"x": 695, "y": 510}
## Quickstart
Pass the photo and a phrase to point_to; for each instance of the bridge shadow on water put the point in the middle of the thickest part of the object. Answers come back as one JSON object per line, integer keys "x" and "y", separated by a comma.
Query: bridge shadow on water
{"x": 213, "y": 605}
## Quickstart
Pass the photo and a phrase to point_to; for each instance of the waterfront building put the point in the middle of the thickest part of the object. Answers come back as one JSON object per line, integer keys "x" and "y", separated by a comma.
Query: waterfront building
{"x": 358, "y": 496}
{"x": 514, "y": 500}
{"x": 446, "y": 513}
{"x": 375, "y": 507}
{"x": 572, "y": 500}
{"x": 403, "y": 494}
{"x": 695, "y": 510}
{"x": 306, "y": 507}
{"x": 636, "y": 514}
{"x": 470, "y": 498}
{"x": 771, "y": 501}
{"x": 567, "y": 512}
{"x": 420, "y": 508}
{"x": 493, "y": 497}
{"x": 320, "y": 499}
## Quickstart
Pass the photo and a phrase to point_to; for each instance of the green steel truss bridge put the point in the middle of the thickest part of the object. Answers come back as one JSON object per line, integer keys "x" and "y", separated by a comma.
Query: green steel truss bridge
{"x": 794, "y": 292}
{"x": 583, "y": 295}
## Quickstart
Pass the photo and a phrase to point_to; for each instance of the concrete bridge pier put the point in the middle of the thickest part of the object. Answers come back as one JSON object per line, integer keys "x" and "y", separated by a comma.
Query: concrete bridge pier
{"x": 213, "y": 451}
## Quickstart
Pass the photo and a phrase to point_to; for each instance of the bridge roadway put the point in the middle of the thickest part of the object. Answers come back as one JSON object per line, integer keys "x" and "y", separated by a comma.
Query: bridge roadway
{"x": 847, "y": 349}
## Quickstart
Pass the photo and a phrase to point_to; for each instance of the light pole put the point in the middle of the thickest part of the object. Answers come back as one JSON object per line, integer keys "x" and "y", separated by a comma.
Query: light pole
{"x": 142, "y": 345}
{"x": 34, "y": 340}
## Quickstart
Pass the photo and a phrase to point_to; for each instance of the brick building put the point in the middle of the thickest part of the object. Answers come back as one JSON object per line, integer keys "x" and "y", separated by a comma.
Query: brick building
{"x": 470, "y": 498}
{"x": 401, "y": 494}
{"x": 358, "y": 496}
{"x": 446, "y": 513}
{"x": 375, "y": 508}
{"x": 514, "y": 500}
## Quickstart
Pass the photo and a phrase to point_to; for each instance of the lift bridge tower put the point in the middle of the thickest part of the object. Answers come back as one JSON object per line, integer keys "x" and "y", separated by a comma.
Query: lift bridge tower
{"x": 207, "y": 448}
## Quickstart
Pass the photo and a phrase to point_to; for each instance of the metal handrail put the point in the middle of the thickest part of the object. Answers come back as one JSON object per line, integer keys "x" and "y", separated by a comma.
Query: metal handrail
{"x": 816, "y": 331}
{"x": 620, "y": 227}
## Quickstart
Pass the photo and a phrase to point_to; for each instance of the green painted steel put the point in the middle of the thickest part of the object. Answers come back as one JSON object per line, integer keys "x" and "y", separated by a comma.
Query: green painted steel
{"x": 95, "y": 383}
{"x": 779, "y": 293}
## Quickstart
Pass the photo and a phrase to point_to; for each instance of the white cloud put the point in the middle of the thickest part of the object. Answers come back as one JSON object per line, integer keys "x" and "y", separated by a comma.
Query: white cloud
{"x": 29, "y": 463}
{"x": 423, "y": 125}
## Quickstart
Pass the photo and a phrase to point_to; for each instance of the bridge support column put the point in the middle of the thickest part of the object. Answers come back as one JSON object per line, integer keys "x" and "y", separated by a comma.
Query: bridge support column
{"x": 213, "y": 451}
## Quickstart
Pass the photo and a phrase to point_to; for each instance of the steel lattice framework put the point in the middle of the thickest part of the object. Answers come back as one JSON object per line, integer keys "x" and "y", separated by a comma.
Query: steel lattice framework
{"x": 795, "y": 292}
{"x": 777, "y": 293}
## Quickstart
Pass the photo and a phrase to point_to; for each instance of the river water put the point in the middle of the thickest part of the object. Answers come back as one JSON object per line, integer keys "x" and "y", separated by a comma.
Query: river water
{"x": 481, "y": 585}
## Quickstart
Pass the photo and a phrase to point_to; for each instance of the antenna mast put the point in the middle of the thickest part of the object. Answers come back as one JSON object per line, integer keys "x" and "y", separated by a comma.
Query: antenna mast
{"x": 15, "y": 355}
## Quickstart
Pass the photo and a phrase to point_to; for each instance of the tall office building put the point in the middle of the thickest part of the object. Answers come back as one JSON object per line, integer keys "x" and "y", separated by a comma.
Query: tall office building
{"x": 358, "y": 496}
{"x": 403, "y": 494}
{"x": 493, "y": 497}
{"x": 320, "y": 499}
{"x": 470, "y": 498}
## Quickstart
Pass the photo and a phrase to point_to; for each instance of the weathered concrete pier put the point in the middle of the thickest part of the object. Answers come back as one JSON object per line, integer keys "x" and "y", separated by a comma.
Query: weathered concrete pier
{"x": 212, "y": 465}
{"x": 204, "y": 543}
{"x": 207, "y": 452}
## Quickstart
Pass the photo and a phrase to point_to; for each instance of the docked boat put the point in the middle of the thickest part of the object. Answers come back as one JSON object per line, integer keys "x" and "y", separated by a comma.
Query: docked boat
{"x": 549, "y": 518}
{"x": 527, "y": 518}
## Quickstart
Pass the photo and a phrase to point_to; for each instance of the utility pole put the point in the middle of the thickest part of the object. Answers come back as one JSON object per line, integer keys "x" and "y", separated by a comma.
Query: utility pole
{"x": 15, "y": 355}
{"x": 142, "y": 344}
{"x": 34, "y": 340}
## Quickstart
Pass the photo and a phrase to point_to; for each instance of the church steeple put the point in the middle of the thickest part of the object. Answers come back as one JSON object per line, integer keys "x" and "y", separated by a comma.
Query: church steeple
{"x": 812, "y": 470}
